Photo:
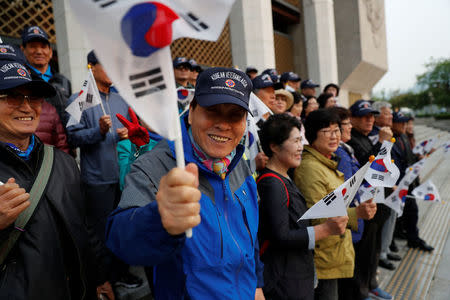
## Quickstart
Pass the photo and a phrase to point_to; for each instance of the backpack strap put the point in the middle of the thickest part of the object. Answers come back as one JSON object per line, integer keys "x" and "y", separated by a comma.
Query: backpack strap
{"x": 266, "y": 243}
{"x": 36, "y": 193}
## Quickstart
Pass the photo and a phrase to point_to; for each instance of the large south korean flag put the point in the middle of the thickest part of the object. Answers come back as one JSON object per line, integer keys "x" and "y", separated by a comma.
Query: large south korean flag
{"x": 132, "y": 39}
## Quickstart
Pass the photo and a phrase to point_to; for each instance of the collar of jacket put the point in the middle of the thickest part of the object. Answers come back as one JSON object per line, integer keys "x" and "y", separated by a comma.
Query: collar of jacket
{"x": 189, "y": 153}
{"x": 330, "y": 163}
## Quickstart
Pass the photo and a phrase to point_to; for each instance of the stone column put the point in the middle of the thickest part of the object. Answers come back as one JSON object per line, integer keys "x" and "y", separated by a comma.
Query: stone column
{"x": 71, "y": 44}
{"x": 320, "y": 40}
{"x": 252, "y": 34}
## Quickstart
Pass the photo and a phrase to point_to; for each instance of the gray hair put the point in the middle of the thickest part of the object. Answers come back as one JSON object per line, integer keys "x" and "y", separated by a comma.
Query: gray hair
{"x": 378, "y": 105}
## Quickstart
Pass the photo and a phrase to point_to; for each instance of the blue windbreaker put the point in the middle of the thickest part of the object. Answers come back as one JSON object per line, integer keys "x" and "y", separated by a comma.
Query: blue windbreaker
{"x": 221, "y": 260}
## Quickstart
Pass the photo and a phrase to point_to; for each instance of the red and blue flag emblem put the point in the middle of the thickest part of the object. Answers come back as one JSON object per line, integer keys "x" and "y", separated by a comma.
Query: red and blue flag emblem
{"x": 379, "y": 166}
{"x": 147, "y": 27}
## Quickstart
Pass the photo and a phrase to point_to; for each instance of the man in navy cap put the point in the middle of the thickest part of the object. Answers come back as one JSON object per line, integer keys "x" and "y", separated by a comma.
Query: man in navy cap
{"x": 182, "y": 71}
{"x": 44, "y": 243}
{"x": 404, "y": 157}
{"x": 215, "y": 195}
{"x": 263, "y": 88}
{"x": 38, "y": 53}
{"x": 367, "y": 250}
{"x": 308, "y": 88}
{"x": 251, "y": 72}
{"x": 195, "y": 70}
{"x": 291, "y": 81}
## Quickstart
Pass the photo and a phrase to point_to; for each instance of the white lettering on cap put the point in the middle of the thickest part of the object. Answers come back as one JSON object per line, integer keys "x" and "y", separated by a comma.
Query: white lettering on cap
{"x": 5, "y": 68}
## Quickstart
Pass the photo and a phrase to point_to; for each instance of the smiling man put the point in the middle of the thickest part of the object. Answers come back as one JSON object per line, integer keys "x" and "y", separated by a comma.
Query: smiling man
{"x": 43, "y": 240}
{"x": 215, "y": 194}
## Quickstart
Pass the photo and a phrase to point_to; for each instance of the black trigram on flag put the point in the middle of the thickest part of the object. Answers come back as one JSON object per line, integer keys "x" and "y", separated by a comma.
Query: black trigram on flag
{"x": 383, "y": 151}
{"x": 329, "y": 198}
{"x": 89, "y": 98}
{"x": 105, "y": 3}
{"x": 352, "y": 181}
{"x": 147, "y": 82}
{"x": 377, "y": 176}
{"x": 194, "y": 21}
{"x": 429, "y": 188}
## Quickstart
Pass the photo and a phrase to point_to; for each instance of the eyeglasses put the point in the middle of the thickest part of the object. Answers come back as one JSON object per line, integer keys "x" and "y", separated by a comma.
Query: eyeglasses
{"x": 328, "y": 133}
{"x": 16, "y": 99}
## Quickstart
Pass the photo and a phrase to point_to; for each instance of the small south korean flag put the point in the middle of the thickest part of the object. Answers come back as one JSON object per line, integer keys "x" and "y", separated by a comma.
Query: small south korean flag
{"x": 427, "y": 191}
{"x": 382, "y": 171}
{"x": 425, "y": 146}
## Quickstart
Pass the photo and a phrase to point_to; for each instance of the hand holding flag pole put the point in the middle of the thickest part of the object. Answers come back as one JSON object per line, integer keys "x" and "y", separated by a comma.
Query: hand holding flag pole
{"x": 97, "y": 93}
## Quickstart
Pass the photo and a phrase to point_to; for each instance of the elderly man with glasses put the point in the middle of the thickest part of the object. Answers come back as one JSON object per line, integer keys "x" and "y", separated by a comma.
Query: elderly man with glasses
{"x": 43, "y": 240}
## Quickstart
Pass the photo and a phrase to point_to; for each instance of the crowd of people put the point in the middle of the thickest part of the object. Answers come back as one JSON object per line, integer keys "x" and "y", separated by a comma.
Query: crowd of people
{"x": 71, "y": 231}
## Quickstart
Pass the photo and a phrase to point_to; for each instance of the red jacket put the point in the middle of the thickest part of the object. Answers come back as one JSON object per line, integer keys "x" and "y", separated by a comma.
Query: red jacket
{"x": 50, "y": 129}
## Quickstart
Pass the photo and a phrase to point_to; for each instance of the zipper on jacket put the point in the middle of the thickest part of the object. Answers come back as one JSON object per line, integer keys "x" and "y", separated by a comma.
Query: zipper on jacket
{"x": 221, "y": 237}
{"x": 244, "y": 215}
{"x": 232, "y": 236}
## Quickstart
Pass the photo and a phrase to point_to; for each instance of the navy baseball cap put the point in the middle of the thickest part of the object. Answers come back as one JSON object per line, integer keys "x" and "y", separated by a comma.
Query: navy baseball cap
{"x": 263, "y": 81}
{"x": 92, "y": 58}
{"x": 289, "y": 76}
{"x": 251, "y": 69}
{"x": 34, "y": 33}
{"x": 195, "y": 66}
{"x": 308, "y": 83}
{"x": 273, "y": 74}
{"x": 181, "y": 61}
{"x": 8, "y": 52}
{"x": 362, "y": 107}
{"x": 14, "y": 74}
{"x": 399, "y": 117}
{"x": 223, "y": 85}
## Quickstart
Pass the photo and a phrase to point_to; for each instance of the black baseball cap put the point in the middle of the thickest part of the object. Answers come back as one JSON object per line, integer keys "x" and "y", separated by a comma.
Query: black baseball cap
{"x": 34, "y": 33}
{"x": 92, "y": 58}
{"x": 362, "y": 107}
{"x": 14, "y": 74}
{"x": 308, "y": 83}
{"x": 262, "y": 81}
{"x": 399, "y": 117}
{"x": 223, "y": 85}
{"x": 8, "y": 52}
{"x": 289, "y": 76}
{"x": 181, "y": 61}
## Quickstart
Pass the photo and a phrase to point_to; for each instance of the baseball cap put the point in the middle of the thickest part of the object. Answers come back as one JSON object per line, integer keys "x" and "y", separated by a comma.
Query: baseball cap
{"x": 14, "y": 74}
{"x": 251, "y": 69}
{"x": 273, "y": 74}
{"x": 262, "y": 81}
{"x": 92, "y": 58}
{"x": 181, "y": 61}
{"x": 288, "y": 95}
{"x": 223, "y": 85}
{"x": 195, "y": 66}
{"x": 308, "y": 83}
{"x": 34, "y": 33}
{"x": 362, "y": 107}
{"x": 9, "y": 52}
{"x": 289, "y": 76}
{"x": 399, "y": 117}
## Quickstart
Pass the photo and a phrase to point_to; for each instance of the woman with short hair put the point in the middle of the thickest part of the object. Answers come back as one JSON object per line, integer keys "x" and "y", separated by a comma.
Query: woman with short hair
{"x": 282, "y": 238}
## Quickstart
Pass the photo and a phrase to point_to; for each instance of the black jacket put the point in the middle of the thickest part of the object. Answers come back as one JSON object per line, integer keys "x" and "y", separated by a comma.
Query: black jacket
{"x": 49, "y": 260}
{"x": 363, "y": 147}
{"x": 288, "y": 263}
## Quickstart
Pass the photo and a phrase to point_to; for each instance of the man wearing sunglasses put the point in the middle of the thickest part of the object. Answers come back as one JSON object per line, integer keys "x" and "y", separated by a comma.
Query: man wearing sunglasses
{"x": 43, "y": 240}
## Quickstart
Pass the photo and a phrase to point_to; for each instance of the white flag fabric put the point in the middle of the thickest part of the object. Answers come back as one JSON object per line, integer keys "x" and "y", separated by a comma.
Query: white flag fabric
{"x": 131, "y": 40}
{"x": 425, "y": 146}
{"x": 446, "y": 147}
{"x": 258, "y": 108}
{"x": 366, "y": 192}
{"x": 88, "y": 97}
{"x": 382, "y": 171}
{"x": 427, "y": 191}
{"x": 335, "y": 203}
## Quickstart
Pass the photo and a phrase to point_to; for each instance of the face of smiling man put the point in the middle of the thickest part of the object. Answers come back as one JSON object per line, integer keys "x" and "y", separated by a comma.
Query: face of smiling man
{"x": 217, "y": 129}
{"x": 18, "y": 122}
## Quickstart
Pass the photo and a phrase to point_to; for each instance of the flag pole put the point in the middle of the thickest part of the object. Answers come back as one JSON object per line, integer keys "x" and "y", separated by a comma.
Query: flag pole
{"x": 179, "y": 154}
{"x": 96, "y": 88}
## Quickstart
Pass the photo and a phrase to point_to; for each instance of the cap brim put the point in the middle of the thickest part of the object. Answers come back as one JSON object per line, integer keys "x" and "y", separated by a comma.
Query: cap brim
{"x": 36, "y": 38}
{"x": 366, "y": 112}
{"x": 214, "y": 99}
{"x": 39, "y": 88}
{"x": 183, "y": 63}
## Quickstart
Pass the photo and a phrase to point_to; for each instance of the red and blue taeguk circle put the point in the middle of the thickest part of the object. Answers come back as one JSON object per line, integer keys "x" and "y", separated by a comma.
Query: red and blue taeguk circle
{"x": 230, "y": 83}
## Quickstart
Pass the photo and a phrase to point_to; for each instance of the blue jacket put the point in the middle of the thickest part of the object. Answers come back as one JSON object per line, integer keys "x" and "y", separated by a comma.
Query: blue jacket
{"x": 349, "y": 165}
{"x": 221, "y": 260}
{"x": 98, "y": 152}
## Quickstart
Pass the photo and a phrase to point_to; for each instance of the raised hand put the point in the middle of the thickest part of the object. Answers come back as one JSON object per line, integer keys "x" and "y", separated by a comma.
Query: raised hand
{"x": 137, "y": 134}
